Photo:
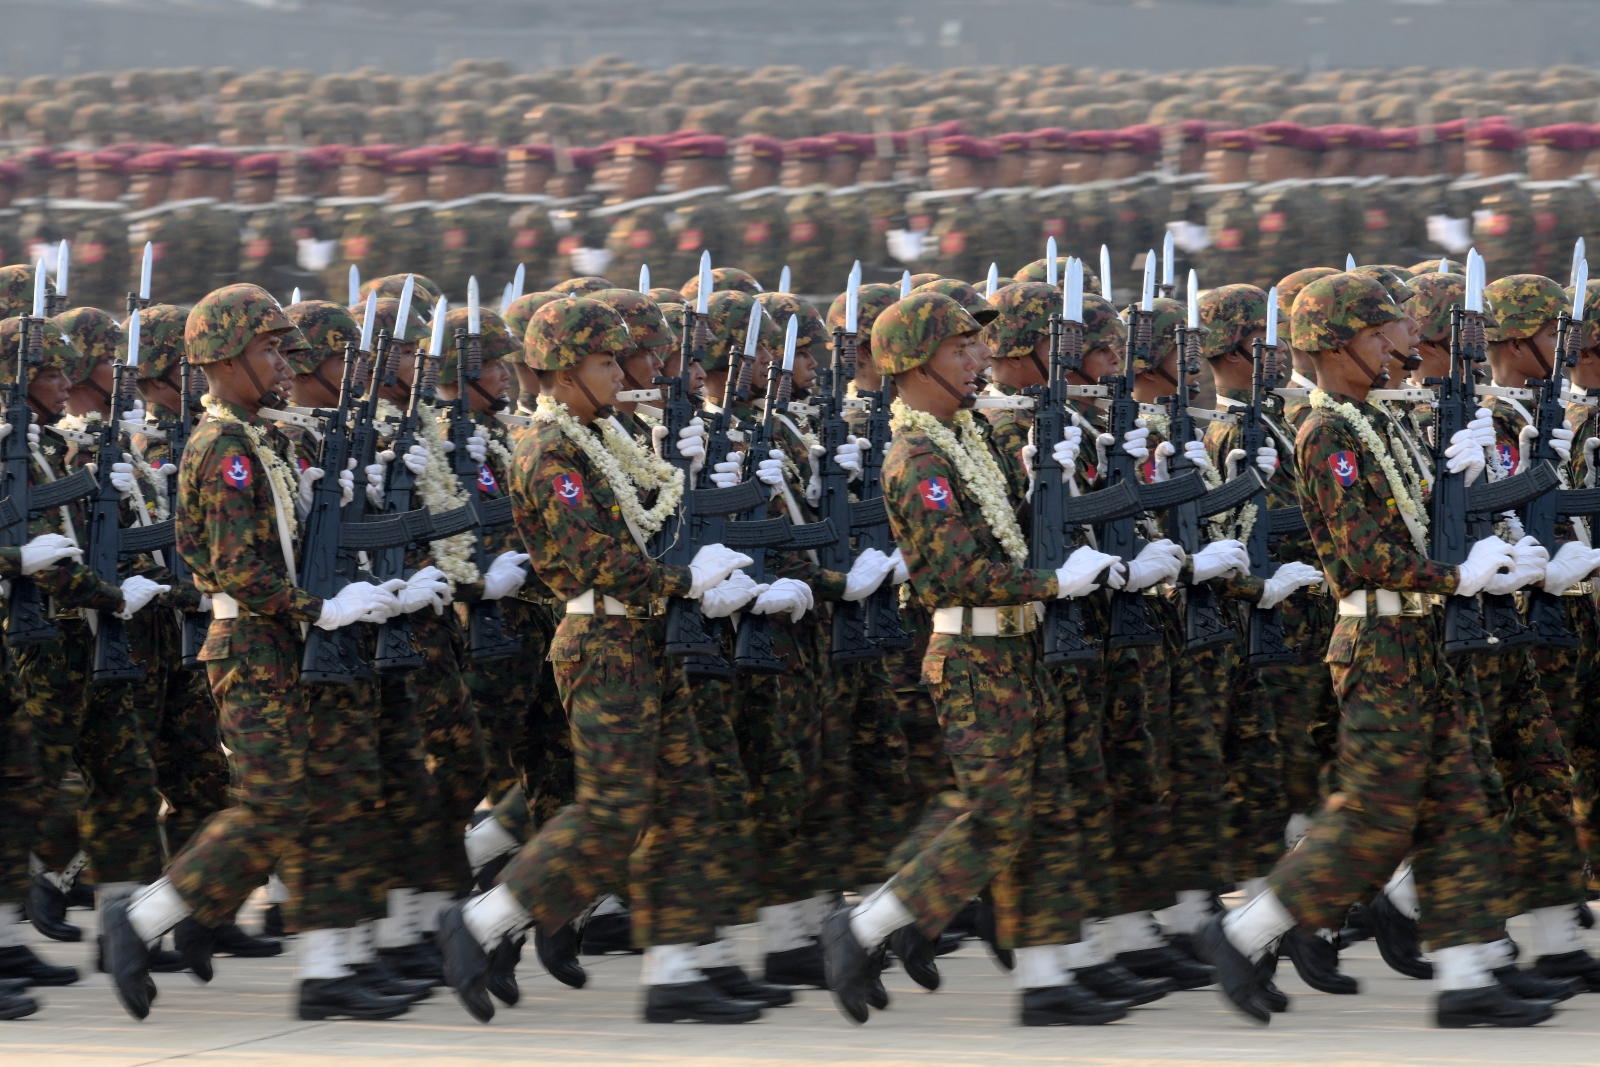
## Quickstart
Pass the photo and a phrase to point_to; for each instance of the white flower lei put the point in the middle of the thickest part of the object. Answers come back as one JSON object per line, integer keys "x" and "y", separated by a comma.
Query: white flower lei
{"x": 440, "y": 491}
{"x": 620, "y": 458}
{"x": 278, "y": 470}
{"x": 501, "y": 454}
{"x": 976, "y": 468}
{"x": 1409, "y": 506}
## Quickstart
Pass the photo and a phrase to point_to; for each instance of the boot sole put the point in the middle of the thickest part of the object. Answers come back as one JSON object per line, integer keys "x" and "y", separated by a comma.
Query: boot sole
{"x": 34, "y": 980}
{"x": 1462, "y": 1022}
{"x": 322, "y": 1014}
{"x": 679, "y": 1015}
{"x": 1050, "y": 1018}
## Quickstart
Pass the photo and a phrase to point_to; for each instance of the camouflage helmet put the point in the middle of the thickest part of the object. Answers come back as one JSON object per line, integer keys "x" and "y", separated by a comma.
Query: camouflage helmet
{"x": 298, "y": 353}
{"x": 521, "y": 311}
{"x": 1230, "y": 313}
{"x": 871, "y": 299}
{"x": 161, "y": 344}
{"x": 1102, "y": 326}
{"x": 1023, "y": 319}
{"x": 728, "y": 318}
{"x": 564, "y": 332}
{"x": 57, "y": 352}
{"x": 16, "y": 289}
{"x": 1038, "y": 271}
{"x": 495, "y": 340}
{"x": 1591, "y": 320}
{"x": 327, "y": 327}
{"x": 424, "y": 290}
{"x": 1524, "y": 304}
{"x": 646, "y": 325}
{"x": 722, "y": 279}
{"x": 1396, "y": 286}
{"x": 924, "y": 279}
{"x": 782, "y": 305}
{"x": 1169, "y": 315}
{"x": 909, "y": 331}
{"x": 662, "y": 295}
{"x": 96, "y": 335}
{"x": 576, "y": 286}
{"x": 384, "y": 315}
{"x": 1431, "y": 266}
{"x": 1433, "y": 297}
{"x": 1290, "y": 287}
{"x": 963, "y": 294}
{"x": 1330, "y": 312}
{"x": 226, "y": 320}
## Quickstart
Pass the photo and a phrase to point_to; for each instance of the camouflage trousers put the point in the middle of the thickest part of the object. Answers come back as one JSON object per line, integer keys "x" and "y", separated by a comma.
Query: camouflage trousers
{"x": 422, "y": 853}
{"x": 341, "y": 853}
{"x": 879, "y": 782}
{"x": 1570, "y": 678}
{"x": 18, "y": 817}
{"x": 1196, "y": 771}
{"x": 709, "y": 702}
{"x": 1407, "y": 783}
{"x": 1017, "y": 825}
{"x": 253, "y": 663}
{"x": 457, "y": 757}
{"x": 507, "y": 692}
{"x": 73, "y": 724}
{"x": 1257, "y": 810}
{"x": 644, "y": 803}
{"x": 930, "y": 778}
{"x": 1546, "y": 866}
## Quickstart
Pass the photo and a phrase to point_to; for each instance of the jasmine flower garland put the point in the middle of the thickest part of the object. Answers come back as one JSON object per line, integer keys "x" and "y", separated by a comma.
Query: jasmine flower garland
{"x": 1409, "y": 506}
{"x": 619, "y": 458}
{"x": 284, "y": 481}
{"x": 979, "y": 474}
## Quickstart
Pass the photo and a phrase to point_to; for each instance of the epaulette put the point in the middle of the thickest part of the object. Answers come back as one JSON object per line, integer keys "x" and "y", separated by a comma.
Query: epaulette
{"x": 1463, "y": 184}
{"x": 751, "y": 194}
{"x": 415, "y": 205}
{"x": 352, "y": 201}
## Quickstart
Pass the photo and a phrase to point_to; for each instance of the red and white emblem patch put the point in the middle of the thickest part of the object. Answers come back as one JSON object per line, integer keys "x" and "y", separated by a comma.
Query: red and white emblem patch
{"x": 569, "y": 489}
{"x": 238, "y": 472}
{"x": 1344, "y": 467}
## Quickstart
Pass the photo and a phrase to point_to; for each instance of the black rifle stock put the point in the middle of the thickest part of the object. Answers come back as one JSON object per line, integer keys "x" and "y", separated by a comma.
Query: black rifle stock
{"x": 396, "y": 651}
{"x": 883, "y": 606}
{"x": 849, "y": 643}
{"x": 26, "y": 623}
{"x": 1547, "y": 612}
{"x": 1266, "y": 644}
{"x": 1202, "y": 619}
{"x": 192, "y": 625}
{"x": 111, "y": 662}
{"x": 486, "y": 627}
{"x": 1130, "y": 621}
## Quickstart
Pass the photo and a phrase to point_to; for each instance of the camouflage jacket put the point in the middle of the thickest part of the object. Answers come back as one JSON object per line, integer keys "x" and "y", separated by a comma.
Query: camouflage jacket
{"x": 180, "y": 267}
{"x": 1502, "y": 221}
{"x": 1232, "y": 253}
{"x": 1563, "y": 211}
{"x": 638, "y": 235}
{"x": 267, "y": 245}
{"x": 1297, "y": 226}
{"x": 226, "y": 522}
{"x": 956, "y": 233}
{"x": 364, "y": 240}
{"x": 697, "y": 220}
{"x": 100, "y": 257}
{"x": 813, "y": 235}
{"x": 530, "y": 240}
{"x": 71, "y": 585}
{"x": 462, "y": 239}
{"x": 760, "y": 232}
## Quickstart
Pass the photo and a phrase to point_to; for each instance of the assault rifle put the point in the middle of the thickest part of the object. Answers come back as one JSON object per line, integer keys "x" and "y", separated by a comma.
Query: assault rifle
{"x": 26, "y": 623}
{"x": 1130, "y": 622}
{"x": 1266, "y": 644}
{"x": 111, "y": 661}
{"x": 850, "y": 643}
{"x": 192, "y": 624}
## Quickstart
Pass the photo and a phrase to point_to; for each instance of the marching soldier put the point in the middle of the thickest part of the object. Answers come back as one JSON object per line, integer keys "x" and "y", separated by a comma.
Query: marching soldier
{"x": 697, "y": 215}
{"x": 760, "y": 227}
{"x": 268, "y": 249}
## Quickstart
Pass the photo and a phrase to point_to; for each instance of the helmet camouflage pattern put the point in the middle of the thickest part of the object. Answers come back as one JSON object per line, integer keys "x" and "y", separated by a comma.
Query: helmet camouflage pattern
{"x": 662, "y": 295}
{"x": 1169, "y": 315}
{"x": 521, "y": 311}
{"x": 1431, "y": 266}
{"x": 782, "y": 305}
{"x": 728, "y": 319}
{"x": 1290, "y": 287}
{"x": 963, "y": 294}
{"x": 566, "y": 331}
{"x": 16, "y": 289}
{"x": 871, "y": 299}
{"x": 722, "y": 279}
{"x": 1330, "y": 312}
{"x": 1023, "y": 320}
{"x": 96, "y": 335}
{"x": 495, "y": 340}
{"x": 425, "y": 291}
{"x": 327, "y": 327}
{"x": 1397, "y": 286}
{"x": 297, "y": 352}
{"x": 226, "y": 320}
{"x": 1524, "y": 304}
{"x": 646, "y": 325}
{"x": 1038, "y": 271}
{"x": 1102, "y": 326}
{"x": 1231, "y": 313}
{"x": 1434, "y": 296}
{"x": 57, "y": 352}
{"x": 1591, "y": 313}
{"x": 909, "y": 331}
{"x": 161, "y": 344}
{"x": 576, "y": 286}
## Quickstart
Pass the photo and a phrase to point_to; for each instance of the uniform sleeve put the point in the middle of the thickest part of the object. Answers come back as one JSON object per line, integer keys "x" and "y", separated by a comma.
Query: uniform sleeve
{"x": 947, "y": 563}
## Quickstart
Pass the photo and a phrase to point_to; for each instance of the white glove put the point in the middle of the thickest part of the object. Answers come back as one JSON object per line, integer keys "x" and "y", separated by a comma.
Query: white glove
{"x": 711, "y": 565}
{"x": 347, "y": 483}
{"x": 1164, "y": 451}
{"x": 137, "y": 592}
{"x": 1134, "y": 441}
{"x": 505, "y": 575}
{"x": 308, "y": 484}
{"x": 848, "y": 456}
{"x": 46, "y": 550}
{"x": 424, "y": 588}
{"x": 1529, "y": 560}
{"x": 1158, "y": 561}
{"x": 1079, "y": 575}
{"x": 691, "y": 443}
{"x": 901, "y": 574}
{"x": 1220, "y": 558}
{"x": 1560, "y": 440}
{"x": 725, "y": 475}
{"x": 1235, "y": 457}
{"x": 1465, "y": 454}
{"x": 1573, "y": 563}
{"x": 1513, "y": 524}
{"x": 164, "y": 475}
{"x": 122, "y": 477}
{"x": 1482, "y": 428}
{"x": 33, "y": 437}
{"x": 375, "y": 476}
{"x": 1289, "y": 577}
{"x": 1267, "y": 459}
{"x": 415, "y": 459}
{"x": 1195, "y": 452}
{"x": 477, "y": 448}
{"x": 785, "y": 594}
{"x": 770, "y": 470}
{"x": 1590, "y": 448}
{"x": 1485, "y": 559}
{"x": 868, "y": 571}
{"x": 814, "y": 486}
{"x": 357, "y": 602}
{"x": 1065, "y": 453}
{"x": 728, "y": 596}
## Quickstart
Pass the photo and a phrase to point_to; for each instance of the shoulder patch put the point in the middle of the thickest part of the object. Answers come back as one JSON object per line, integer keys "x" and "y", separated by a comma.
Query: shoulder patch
{"x": 238, "y": 471}
{"x": 569, "y": 489}
{"x": 1508, "y": 456}
{"x": 1344, "y": 467}
{"x": 935, "y": 493}
{"x": 486, "y": 480}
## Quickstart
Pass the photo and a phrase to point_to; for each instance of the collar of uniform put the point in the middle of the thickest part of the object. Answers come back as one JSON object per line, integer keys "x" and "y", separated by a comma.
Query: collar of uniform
{"x": 229, "y": 410}
{"x": 413, "y": 205}
{"x": 449, "y": 205}
{"x": 579, "y": 201}
{"x": 1370, "y": 180}
{"x": 525, "y": 198}
{"x": 162, "y": 209}
{"x": 751, "y": 194}
{"x": 1329, "y": 183}
{"x": 1483, "y": 183}
{"x": 491, "y": 197}
{"x": 352, "y": 201}
{"x": 690, "y": 194}
{"x": 1552, "y": 183}
{"x": 1237, "y": 396}
{"x": 1012, "y": 190}
{"x": 1224, "y": 187}
{"x": 607, "y": 210}
{"x": 1144, "y": 177}
{"x": 1284, "y": 183}
{"x": 295, "y": 199}
{"x": 943, "y": 194}
{"x": 1193, "y": 178}
{"x": 221, "y": 205}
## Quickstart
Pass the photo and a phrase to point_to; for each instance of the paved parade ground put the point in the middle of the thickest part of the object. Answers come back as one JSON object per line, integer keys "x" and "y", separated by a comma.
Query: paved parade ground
{"x": 243, "y": 1018}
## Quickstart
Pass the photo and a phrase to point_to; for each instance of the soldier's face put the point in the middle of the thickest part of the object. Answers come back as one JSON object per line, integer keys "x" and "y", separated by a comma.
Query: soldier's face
{"x": 93, "y": 395}
{"x": 1404, "y": 334}
{"x": 493, "y": 382}
{"x": 1016, "y": 373}
{"x": 640, "y": 367}
{"x": 955, "y": 362}
{"x": 805, "y": 367}
{"x": 952, "y": 172}
{"x": 47, "y": 393}
{"x": 264, "y": 356}
{"x": 320, "y": 388}
{"x": 1099, "y": 362}
{"x": 1373, "y": 349}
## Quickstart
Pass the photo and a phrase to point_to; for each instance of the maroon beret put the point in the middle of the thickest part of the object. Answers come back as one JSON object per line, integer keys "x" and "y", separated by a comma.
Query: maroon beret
{"x": 1231, "y": 140}
{"x": 649, "y": 149}
{"x": 1496, "y": 137}
{"x": 700, "y": 146}
{"x": 761, "y": 147}
{"x": 531, "y": 153}
{"x": 808, "y": 149}
{"x": 1049, "y": 139}
{"x": 969, "y": 147}
{"x": 1565, "y": 136}
{"x": 262, "y": 165}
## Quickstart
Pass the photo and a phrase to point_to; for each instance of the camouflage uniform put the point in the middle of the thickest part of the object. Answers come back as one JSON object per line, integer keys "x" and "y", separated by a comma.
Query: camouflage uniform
{"x": 697, "y": 220}
{"x": 365, "y": 241}
{"x": 99, "y": 244}
{"x": 1503, "y": 226}
{"x": 956, "y": 229}
{"x": 760, "y": 231}
{"x": 178, "y": 266}
{"x": 1404, "y": 740}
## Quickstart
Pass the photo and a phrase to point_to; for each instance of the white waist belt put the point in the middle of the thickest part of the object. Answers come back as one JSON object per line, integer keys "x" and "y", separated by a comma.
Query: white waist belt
{"x": 1386, "y": 601}
{"x": 224, "y": 606}
{"x": 583, "y": 604}
{"x": 1011, "y": 621}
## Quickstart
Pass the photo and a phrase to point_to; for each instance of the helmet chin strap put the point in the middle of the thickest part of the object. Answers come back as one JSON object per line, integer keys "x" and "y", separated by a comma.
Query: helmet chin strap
{"x": 965, "y": 400}
{"x": 266, "y": 396}
{"x": 601, "y": 411}
{"x": 1378, "y": 380}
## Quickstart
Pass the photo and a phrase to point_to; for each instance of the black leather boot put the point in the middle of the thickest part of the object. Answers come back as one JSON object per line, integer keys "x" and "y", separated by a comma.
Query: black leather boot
{"x": 17, "y": 1005}
{"x": 849, "y": 967}
{"x": 126, "y": 959}
{"x": 1531, "y": 985}
{"x": 349, "y": 997}
{"x": 1167, "y": 962}
{"x": 502, "y": 980}
{"x": 1399, "y": 938}
{"x": 696, "y": 1002}
{"x": 272, "y": 921}
{"x": 1490, "y": 1005}
{"x": 384, "y": 980}
{"x": 558, "y": 952}
{"x": 20, "y": 962}
{"x": 733, "y": 983}
{"x": 464, "y": 963}
{"x": 1068, "y": 1005}
{"x": 985, "y": 927}
{"x": 916, "y": 953}
{"x": 609, "y": 933}
{"x": 1111, "y": 981}
{"x": 46, "y": 908}
{"x": 796, "y": 966}
{"x": 1275, "y": 999}
{"x": 229, "y": 940}
{"x": 1578, "y": 965}
{"x": 1316, "y": 961}
{"x": 1235, "y": 973}
{"x": 418, "y": 962}
{"x": 193, "y": 942}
